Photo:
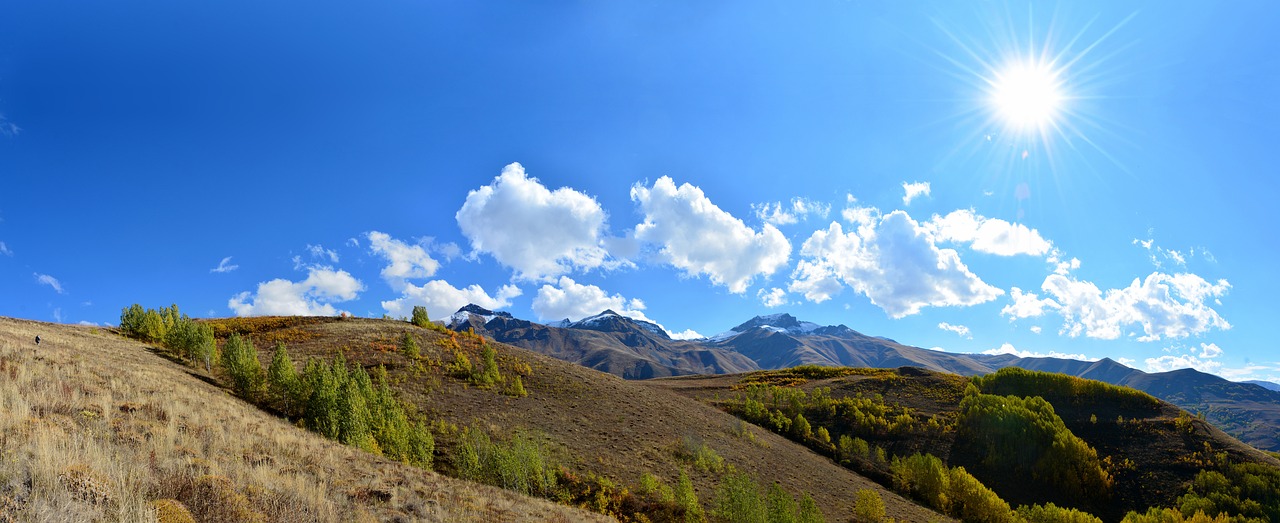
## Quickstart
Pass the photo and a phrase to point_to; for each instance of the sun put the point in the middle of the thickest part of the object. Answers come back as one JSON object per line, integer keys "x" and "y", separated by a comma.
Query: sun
{"x": 1027, "y": 95}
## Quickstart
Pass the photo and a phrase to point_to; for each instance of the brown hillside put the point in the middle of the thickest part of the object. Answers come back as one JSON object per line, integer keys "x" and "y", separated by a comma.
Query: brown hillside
{"x": 601, "y": 423}
{"x": 97, "y": 427}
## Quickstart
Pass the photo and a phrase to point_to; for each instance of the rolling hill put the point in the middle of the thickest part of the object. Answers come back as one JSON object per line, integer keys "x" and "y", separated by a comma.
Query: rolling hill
{"x": 639, "y": 350}
{"x": 96, "y": 427}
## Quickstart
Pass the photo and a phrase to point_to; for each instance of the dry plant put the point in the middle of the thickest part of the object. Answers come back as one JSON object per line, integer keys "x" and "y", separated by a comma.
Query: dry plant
{"x": 94, "y": 427}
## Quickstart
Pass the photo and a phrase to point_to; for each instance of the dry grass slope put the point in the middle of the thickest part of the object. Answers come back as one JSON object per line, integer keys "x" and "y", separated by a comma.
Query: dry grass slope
{"x": 94, "y": 427}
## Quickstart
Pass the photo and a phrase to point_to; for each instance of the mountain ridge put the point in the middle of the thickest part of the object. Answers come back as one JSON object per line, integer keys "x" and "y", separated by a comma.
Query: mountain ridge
{"x": 636, "y": 349}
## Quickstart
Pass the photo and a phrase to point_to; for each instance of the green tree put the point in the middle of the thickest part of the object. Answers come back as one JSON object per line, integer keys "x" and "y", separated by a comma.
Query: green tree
{"x": 487, "y": 375}
{"x": 738, "y": 499}
{"x": 809, "y": 511}
{"x": 353, "y": 410}
{"x": 801, "y": 427}
{"x": 687, "y": 499}
{"x": 409, "y": 346}
{"x": 1050, "y": 513}
{"x": 240, "y": 361}
{"x": 420, "y": 317}
{"x": 868, "y": 506}
{"x": 781, "y": 506}
{"x": 282, "y": 380}
{"x": 924, "y": 477}
{"x": 516, "y": 387}
{"x": 322, "y": 399}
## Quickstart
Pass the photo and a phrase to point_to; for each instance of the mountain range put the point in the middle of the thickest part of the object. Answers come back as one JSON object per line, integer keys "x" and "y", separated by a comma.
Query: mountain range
{"x": 636, "y": 349}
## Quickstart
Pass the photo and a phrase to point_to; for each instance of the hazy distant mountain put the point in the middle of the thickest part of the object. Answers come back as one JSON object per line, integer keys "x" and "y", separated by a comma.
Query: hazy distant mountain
{"x": 637, "y": 349}
{"x": 1265, "y": 384}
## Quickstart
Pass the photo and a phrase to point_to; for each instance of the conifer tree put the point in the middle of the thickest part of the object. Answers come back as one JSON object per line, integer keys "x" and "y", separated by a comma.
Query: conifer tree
{"x": 322, "y": 402}
{"x": 487, "y": 374}
{"x": 420, "y": 316}
{"x": 409, "y": 346}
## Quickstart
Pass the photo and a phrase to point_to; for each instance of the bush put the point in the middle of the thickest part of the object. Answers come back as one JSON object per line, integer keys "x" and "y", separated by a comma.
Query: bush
{"x": 520, "y": 464}
{"x": 687, "y": 499}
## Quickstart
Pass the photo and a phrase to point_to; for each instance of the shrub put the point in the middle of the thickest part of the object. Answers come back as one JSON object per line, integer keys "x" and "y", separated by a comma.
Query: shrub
{"x": 515, "y": 388}
{"x": 868, "y": 507}
{"x": 703, "y": 457}
{"x": 520, "y": 464}
{"x": 171, "y": 511}
{"x": 780, "y": 505}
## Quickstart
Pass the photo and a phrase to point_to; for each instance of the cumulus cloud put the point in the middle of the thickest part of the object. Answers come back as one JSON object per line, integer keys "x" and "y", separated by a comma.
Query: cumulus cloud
{"x": 799, "y": 209}
{"x": 1164, "y": 305}
{"x": 1036, "y": 329}
{"x": 573, "y": 300}
{"x": 313, "y": 296}
{"x": 224, "y": 266}
{"x": 989, "y": 235}
{"x": 772, "y": 298}
{"x": 1026, "y": 305}
{"x": 404, "y": 261}
{"x": 45, "y": 279}
{"x": 698, "y": 237}
{"x": 891, "y": 260}
{"x": 960, "y": 330}
{"x": 442, "y": 299}
{"x": 1202, "y": 358}
{"x": 914, "y": 190}
{"x": 1008, "y": 348}
{"x": 537, "y": 232}
{"x": 688, "y": 334}
{"x": 569, "y": 299}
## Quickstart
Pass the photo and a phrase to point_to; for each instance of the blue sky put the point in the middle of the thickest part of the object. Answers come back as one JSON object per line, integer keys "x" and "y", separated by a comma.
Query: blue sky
{"x": 695, "y": 164}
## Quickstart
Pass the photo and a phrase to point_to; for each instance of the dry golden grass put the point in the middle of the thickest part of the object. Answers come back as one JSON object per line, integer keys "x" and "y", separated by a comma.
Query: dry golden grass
{"x": 94, "y": 427}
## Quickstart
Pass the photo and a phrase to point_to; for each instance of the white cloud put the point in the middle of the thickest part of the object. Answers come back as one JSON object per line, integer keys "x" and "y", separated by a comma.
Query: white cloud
{"x": 960, "y": 330}
{"x": 1159, "y": 255}
{"x": 57, "y": 314}
{"x": 537, "y": 232}
{"x": 1036, "y": 329}
{"x": 1182, "y": 361}
{"x": 318, "y": 251}
{"x": 893, "y": 262}
{"x": 701, "y": 239}
{"x": 989, "y": 235}
{"x": 688, "y": 334}
{"x": 87, "y": 323}
{"x": 1008, "y": 348}
{"x": 798, "y": 210}
{"x": 1210, "y": 350}
{"x": 1127, "y": 362}
{"x": 1026, "y": 305}
{"x": 313, "y": 296}
{"x": 45, "y": 279}
{"x": 405, "y": 261}
{"x": 573, "y": 300}
{"x": 1164, "y": 305}
{"x": 442, "y": 300}
{"x": 352, "y": 242}
{"x": 914, "y": 190}
{"x": 4, "y": 249}
{"x": 772, "y": 298}
{"x": 224, "y": 266}
{"x": 569, "y": 299}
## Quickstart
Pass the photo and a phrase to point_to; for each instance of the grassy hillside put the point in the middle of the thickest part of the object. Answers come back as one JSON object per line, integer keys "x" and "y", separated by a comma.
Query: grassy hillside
{"x": 94, "y": 427}
{"x": 1033, "y": 438}
{"x": 594, "y": 424}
